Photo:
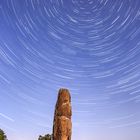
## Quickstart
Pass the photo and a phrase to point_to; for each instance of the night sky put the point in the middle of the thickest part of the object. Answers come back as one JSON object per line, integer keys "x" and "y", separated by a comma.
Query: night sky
{"x": 91, "y": 47}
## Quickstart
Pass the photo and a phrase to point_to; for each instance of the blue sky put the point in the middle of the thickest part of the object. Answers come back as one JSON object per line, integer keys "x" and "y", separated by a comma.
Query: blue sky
{"x": 91, "y": 47}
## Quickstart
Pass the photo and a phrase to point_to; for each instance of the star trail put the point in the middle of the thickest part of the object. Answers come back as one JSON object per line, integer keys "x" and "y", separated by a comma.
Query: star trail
{"x": 91, "y": 47}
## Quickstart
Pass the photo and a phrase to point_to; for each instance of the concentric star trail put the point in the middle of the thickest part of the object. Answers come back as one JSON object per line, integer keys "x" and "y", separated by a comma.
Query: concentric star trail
{"x": 91, "y": 47}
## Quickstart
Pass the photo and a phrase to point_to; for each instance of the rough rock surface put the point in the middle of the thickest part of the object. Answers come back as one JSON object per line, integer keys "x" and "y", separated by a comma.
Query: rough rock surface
{"x": 62, "y": 125}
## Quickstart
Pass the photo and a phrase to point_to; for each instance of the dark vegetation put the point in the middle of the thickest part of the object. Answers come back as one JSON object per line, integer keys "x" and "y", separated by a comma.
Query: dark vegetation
{"x": 2, "y": 135}
{"x": 46, "y": 137}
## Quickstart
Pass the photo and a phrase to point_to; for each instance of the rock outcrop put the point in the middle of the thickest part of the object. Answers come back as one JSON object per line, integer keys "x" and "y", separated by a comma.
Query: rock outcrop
{"x": 62, "y": 125}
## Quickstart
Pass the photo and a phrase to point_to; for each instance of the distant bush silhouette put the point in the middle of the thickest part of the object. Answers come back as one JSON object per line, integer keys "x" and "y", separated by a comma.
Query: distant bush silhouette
{"x": 46, "y": 137}
{"x": 2, "y": 135}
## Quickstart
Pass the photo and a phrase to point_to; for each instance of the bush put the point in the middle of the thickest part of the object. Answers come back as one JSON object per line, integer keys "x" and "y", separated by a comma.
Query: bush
{"x": 46, "y": 137}
{"x": 2, "y": 135}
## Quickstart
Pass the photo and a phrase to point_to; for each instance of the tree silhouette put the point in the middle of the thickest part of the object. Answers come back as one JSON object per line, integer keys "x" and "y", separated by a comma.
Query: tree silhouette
{"x": 46, "y": 137}
{"x": 2, "y": 135}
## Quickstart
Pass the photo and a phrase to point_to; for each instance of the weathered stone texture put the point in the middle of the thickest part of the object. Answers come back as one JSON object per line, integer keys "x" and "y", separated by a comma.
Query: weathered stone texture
{"x": 62, "y": 126}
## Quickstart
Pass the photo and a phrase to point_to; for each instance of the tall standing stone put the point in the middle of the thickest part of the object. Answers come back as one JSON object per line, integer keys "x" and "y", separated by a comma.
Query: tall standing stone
{"x": 62, "y": 125}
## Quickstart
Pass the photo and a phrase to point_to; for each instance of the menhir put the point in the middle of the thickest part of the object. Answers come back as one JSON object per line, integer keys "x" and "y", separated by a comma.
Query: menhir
{"x": 62, "y": 125}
